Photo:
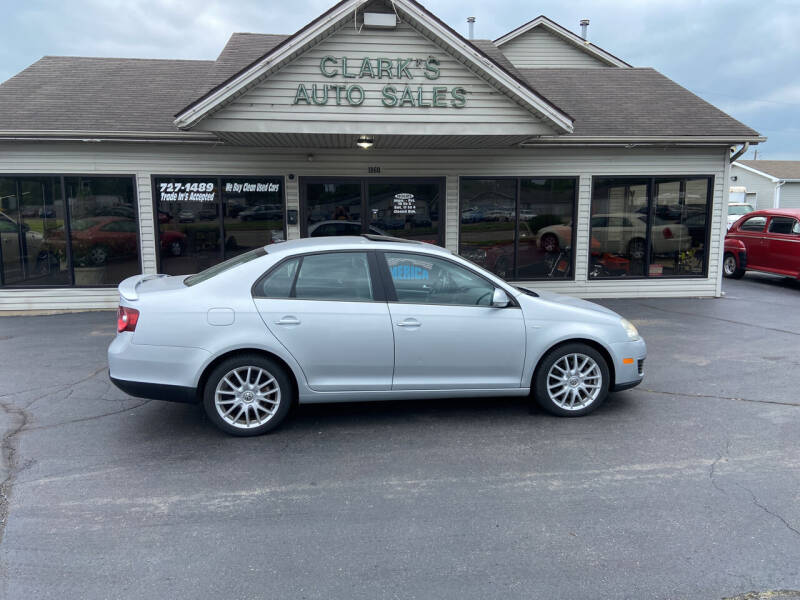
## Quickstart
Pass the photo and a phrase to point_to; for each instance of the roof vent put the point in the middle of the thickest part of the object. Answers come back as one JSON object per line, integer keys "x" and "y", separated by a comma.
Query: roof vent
{"x": 380, "y": 20}
{"x": 471, "y": 22}
{"x": 584, "y": 29}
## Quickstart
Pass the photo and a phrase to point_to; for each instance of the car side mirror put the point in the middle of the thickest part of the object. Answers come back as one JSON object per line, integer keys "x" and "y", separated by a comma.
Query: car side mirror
{"x": 500, "y": 298}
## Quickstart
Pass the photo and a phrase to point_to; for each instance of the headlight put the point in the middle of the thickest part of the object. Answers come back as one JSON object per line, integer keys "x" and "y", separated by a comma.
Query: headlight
{"x": 630, "y": 329}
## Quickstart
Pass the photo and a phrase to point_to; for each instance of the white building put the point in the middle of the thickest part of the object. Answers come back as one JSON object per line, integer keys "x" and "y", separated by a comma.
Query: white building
{"x": 538, "y": 155}
{"x": 766, "y": 183}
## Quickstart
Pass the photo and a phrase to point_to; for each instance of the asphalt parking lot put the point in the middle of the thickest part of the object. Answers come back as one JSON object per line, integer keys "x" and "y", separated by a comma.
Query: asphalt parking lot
{"x": 687, "y": 487}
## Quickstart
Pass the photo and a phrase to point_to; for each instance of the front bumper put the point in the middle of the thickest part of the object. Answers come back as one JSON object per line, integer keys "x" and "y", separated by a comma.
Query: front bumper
{"x": 630, "y": 374}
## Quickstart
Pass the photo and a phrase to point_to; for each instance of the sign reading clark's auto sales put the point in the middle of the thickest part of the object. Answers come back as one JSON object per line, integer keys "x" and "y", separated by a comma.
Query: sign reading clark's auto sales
{"x": 400, "y": 89}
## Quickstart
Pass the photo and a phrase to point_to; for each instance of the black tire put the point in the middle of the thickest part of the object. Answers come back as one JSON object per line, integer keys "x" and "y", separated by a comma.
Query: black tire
{"x": 545, "y": 400}
{"x": 549, "y": 243}
{"x": 502, "y": 268}
{"x": 176, "y": 248}
{"x": 98, "y": 255}
{"x": 285, "y": 397}
{"x": 637, "y": 248}
{"x": 730, "y": 268}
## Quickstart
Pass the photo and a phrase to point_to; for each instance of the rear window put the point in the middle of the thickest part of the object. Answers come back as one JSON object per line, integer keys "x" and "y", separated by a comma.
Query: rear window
{"x": 225, "y": 266}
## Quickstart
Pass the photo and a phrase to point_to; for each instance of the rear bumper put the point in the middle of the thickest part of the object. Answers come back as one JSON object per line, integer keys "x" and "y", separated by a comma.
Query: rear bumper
{"x": 156, "y": 391}
{"x": 162, "y": 365}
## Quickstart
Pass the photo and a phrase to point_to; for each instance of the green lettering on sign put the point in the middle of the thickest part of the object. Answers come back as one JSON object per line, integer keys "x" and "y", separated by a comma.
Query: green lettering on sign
{"x": 323, "y": 66}
{"x": 301, "y": 95}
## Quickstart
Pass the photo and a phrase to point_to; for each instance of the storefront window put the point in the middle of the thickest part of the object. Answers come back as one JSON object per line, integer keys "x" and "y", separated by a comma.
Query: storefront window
{"x": 203, "y": 220}
{"x": 649, "y": 227}
{"x": 32, "y": 242}
{"x": 253, "y": 212}
{"x": 519, "y": 228}
{"x": 104, "y": 233}
{"x": 488, "y": 212}
{"x": 91, "y": 239}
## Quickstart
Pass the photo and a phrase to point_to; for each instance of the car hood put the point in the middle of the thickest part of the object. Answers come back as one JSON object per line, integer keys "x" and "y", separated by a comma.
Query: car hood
{"x": 571, "y": 301}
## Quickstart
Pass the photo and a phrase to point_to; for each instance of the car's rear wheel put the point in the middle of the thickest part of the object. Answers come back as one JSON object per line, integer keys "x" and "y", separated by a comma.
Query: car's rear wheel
{"x": 730, "y": 268}
{"x": 572, "y": 380}
{"x": 549, "y": 243}
{"x": 247, "y": 395}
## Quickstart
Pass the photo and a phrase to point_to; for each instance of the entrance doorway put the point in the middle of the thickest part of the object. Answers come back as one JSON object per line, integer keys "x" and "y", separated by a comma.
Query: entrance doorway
{"x": 405, "y": 208}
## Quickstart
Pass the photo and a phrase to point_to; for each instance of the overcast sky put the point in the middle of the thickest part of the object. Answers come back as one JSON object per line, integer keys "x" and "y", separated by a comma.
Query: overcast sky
{"x": 741, "y": 55}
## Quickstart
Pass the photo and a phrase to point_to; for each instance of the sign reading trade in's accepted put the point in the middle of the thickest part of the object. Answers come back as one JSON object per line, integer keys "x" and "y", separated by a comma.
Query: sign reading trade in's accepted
{"x": 187, "y": 191}
{"x": 399, "y": 90}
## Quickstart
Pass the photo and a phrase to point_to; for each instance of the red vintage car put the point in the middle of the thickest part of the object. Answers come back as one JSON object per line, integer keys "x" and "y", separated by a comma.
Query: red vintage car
{"x": 764, "y": 240}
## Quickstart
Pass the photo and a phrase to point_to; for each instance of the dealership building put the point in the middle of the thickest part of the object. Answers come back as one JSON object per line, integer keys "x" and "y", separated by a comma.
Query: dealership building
{"x": 539, "y": 156}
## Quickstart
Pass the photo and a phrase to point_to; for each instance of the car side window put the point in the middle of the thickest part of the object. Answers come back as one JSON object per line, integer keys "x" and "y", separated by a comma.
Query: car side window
{"x": 340, "y": 276}
{"x": 278, "y": 284}
{"x": 754, "y": 224}
{"x": 422, "y": 279}
{"x": 796, "y": 228}
{"x": 783, "y": 225}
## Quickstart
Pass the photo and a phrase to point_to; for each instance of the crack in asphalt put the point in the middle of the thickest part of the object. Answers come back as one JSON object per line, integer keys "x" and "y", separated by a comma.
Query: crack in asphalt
{"x": 61, "y": 388}
{"x": 711, "y": 396}
{"x": 735, "y": 322}
{"x": 84, "y": 419}
{"x": 53, "y": 388}
{"x": 10, "y": 457}
{"x": 713, "y": 469}
{"x": 712, "y": 477}
{"x": 766, "y": 510}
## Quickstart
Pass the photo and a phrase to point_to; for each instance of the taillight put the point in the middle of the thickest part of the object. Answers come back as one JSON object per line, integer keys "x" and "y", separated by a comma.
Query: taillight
{"x": 126, "y": 319}
{"x": 667, "y": 233}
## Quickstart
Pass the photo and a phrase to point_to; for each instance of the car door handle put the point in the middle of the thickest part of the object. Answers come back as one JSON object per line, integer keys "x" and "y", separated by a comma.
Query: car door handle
{"x": 288, "y": 321}
{"x": 409, "y": 323}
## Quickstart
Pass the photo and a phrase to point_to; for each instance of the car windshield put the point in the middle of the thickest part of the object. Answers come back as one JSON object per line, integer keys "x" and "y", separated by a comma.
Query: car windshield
{"x": 224, "y": 266}
{"x": 739, "y": 209}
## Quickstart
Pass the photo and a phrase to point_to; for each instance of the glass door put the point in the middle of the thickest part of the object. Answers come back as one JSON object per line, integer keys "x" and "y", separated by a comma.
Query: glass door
{"x": 406, "y": 208}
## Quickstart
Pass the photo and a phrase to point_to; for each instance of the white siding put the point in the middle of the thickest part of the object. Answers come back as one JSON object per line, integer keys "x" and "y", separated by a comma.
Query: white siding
{"x": 758, "y": 184}
{"x": 269, "y": 106}
{"x": 144, "y": 160}
{"x": 540, "y": 49}
{"x": 790, "y": 195}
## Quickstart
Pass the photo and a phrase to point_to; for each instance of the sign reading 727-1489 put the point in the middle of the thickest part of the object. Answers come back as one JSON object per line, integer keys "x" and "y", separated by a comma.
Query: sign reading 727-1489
{"x": 177, "y": 191}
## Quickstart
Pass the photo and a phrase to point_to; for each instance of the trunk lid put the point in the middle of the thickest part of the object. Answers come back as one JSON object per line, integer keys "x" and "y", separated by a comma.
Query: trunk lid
{"x": 133, "y": 287}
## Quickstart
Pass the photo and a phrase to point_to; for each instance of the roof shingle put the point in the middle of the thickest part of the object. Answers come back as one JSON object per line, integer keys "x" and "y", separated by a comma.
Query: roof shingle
{"x": 782, "y": 169}
{"x": 631, "y": 102}
{"x": 143, "y": 95}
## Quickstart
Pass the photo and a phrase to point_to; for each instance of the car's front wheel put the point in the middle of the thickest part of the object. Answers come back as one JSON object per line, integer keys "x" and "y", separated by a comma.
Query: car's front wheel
{"x": 247, "y": 395}
{"x": 572, "y": 380}
{"x": 730, "y": 268}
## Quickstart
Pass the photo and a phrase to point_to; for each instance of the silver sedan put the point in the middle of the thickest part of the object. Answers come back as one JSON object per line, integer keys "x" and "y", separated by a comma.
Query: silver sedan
{"x": 361, "y": 318}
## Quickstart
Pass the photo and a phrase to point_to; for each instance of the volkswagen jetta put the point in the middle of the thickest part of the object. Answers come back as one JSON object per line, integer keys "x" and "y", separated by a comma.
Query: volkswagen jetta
{"x": 361, "y": 318}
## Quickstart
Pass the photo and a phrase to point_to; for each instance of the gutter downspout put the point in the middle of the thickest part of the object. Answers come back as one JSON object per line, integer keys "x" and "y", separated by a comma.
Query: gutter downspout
{"x": 777, "y": 198}
{"x": 739, "y": 152}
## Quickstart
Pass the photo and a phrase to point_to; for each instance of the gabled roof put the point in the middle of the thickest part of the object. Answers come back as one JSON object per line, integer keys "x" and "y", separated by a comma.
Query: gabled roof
{"x": 773, "y": 169}
{"x": 470, "y": 54}
{"x": 78, "y": 94}
{"x": 633, "y": 103}
{"x": 566, "y": 35}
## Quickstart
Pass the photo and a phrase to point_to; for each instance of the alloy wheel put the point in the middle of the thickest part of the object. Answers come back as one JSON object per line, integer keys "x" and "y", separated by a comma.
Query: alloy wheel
{"x": 729, "y": 265}
{"x": 574, "y": 381}
{"x": 247, "y": 397}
